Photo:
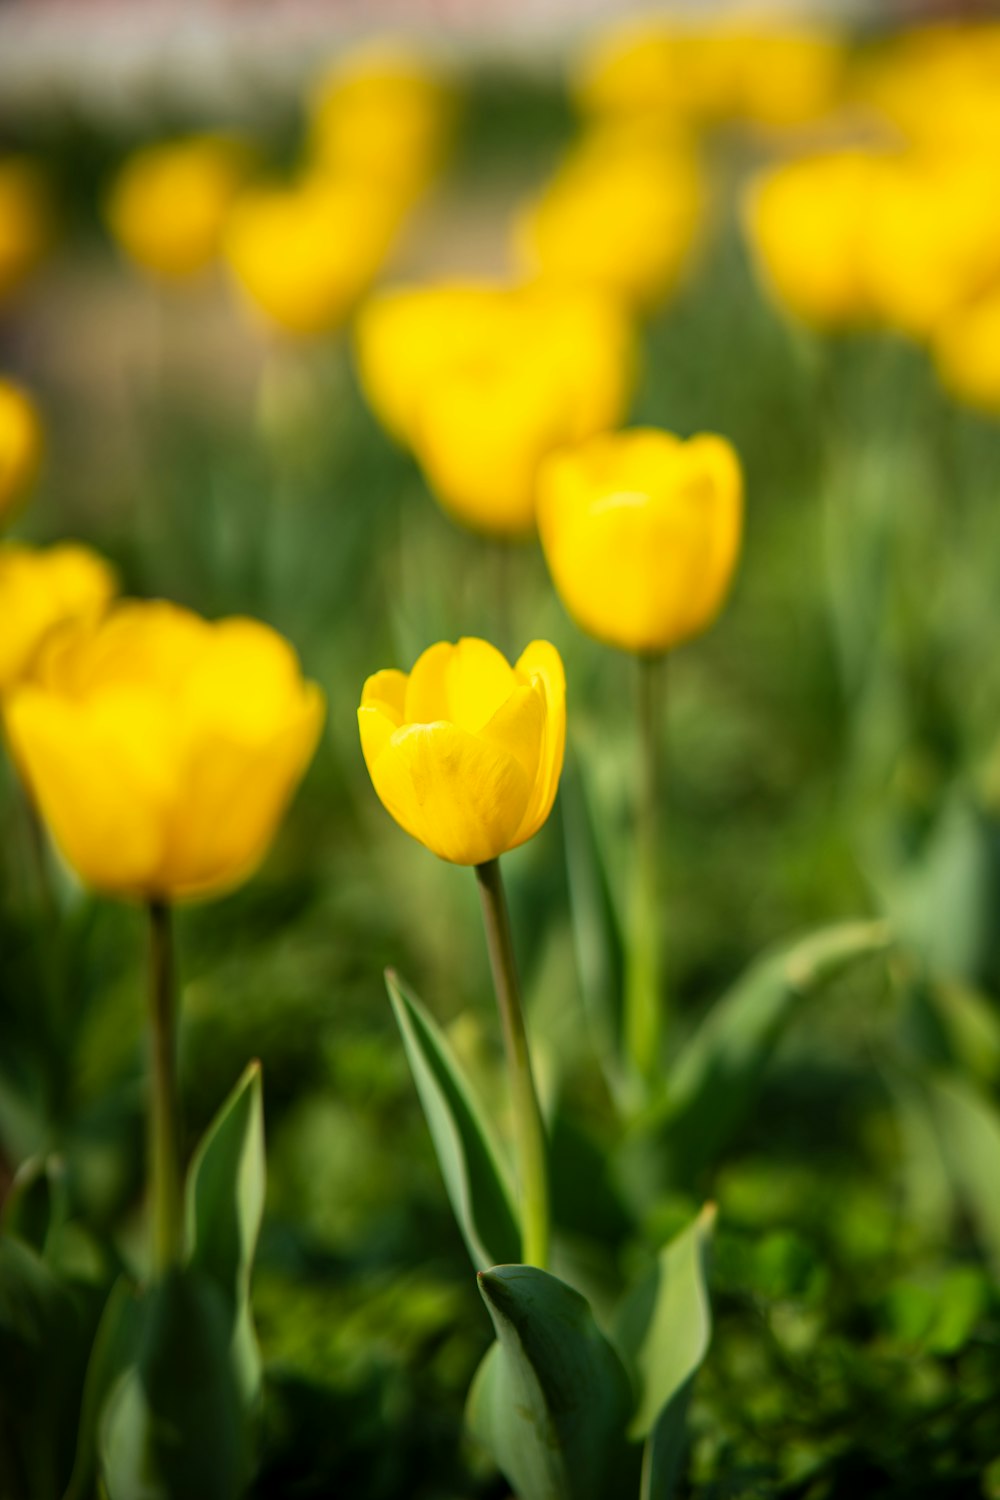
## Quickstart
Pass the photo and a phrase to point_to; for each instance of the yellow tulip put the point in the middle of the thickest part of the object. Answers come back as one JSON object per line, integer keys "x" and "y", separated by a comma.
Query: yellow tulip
{"x": 958, "y": 67}
{"x": 303, "y": 255}
{"x": 641, "y": 532}
{"x": 168, "y": 205}
{"x": 621, "y": 214}
{"x": 40, "y": 589}
{"x": 381, "y": 116}
{"x": 786, "y": 77}
{"x": 26, "y": 221}
{"x": 967, "y": 354}
{"x": 162, "y": 750}
{"x": 466, "y": 751}
{"x": 20, "y": 445}
{"x": 807, "y": 222}
{"x": 483, "y": 381}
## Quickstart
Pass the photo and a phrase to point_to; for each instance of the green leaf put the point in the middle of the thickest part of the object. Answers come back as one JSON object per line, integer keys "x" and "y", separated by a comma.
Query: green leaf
{"x": 470, "y": 1161}
{"x": 551, "y": 1400}
{"x": 717, "y": 1076}
{"x": 114, "y": 1349}
{"x": 664, "y": 1325}
{"x": 174, "y": 1426}
{"x": 968, "y": 1123}
{"x": 225, "y": 1203}
{"x": 37, "y": 1206}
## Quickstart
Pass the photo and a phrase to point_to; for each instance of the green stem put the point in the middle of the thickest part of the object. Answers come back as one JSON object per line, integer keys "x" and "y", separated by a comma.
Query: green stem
{"x": 529, "y": 1129}
{"x": 644, "y": 997}
{"x": 164, "y": 1110}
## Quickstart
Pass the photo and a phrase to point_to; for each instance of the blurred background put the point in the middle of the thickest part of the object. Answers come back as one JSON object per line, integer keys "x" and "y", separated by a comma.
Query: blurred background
{"x": 186, "y": 326}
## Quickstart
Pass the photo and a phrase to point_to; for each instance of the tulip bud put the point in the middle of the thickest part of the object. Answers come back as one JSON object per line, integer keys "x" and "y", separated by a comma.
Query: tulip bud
{"x": 641, "y": 532}
{"x": 466, "y": 751}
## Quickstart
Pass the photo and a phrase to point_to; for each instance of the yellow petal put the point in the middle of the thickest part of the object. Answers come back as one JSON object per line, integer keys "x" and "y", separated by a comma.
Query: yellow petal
{"x": 542, "y": 664}
{"x": 234, "y": 795}
{"x": 463, "y": 684}
{"x": 460, "y": 796}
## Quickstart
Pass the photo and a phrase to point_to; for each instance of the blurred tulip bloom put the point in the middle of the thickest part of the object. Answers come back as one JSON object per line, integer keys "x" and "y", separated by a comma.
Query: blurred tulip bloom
{"x": 162, "y": 750}
{"x": 621, "y": 215}
{"x": 641, "y": 533}
{"x": 304, "y": 254}
{"x": 26, "y": 221}
{"x": 466, "y": 751}
{"x": 379, "y": 115}
{"x": 481, "y": 382}
{"x": 40, "y": 590}
{"x": 20, "y": 445}
{"x": 967, "y": 354}
{"x": 167, "y": 207}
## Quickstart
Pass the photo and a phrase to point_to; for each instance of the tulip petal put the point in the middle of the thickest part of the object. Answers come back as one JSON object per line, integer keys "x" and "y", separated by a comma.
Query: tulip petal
{"x": 518, "y": 727}
{"x": 460, "y": 796}
{"x": 542, "y": 664}
{"x": 235, "y": 793}
{"x": 463, "y": 684}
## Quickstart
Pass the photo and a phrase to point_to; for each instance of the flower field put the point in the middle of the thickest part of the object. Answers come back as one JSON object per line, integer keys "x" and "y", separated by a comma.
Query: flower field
{"x": 500, "y": 777}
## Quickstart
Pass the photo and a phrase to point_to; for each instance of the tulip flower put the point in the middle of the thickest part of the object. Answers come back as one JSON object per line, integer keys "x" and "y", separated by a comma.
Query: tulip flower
{"x": 481, "y": 382}
{"x": 380, "y": 116}
{"x": 641, "y": 533}
{"x": 26, "y": 221}
{"x": 304, "y": 254}
{"x": 20, "y": 445}
{"x": 162, "y": 751}
{"x": 168, "y": 205}
{"x": 465, "y": 752}
{"x": 42, "y": 589}
{"x": 807, "y": 222}
{"x": 620, "y": 215}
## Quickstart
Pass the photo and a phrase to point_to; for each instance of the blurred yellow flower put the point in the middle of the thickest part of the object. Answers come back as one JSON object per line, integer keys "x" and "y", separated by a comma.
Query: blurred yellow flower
{"x": 168, "y": 205}
{"x": 163, "y": 750}
{"x": 20, "y": 445}
{"x": 481, "y": 381}
{"x": 967, "y": 353}
{"x": 381, "y": 116}
{"x": 641, "y": 532}
{"x": 42, "y": 588}
{"x": 807, "y": 222}
{"x": 304, "y": 254}
{"x": 26, "y": 221}
{"x": 932, "y": 237}
{"x": 766, "y": 75}
{"x": 621, "y": 214}
{"x": 955, "y": 66}
{"x": 466, "y": 751}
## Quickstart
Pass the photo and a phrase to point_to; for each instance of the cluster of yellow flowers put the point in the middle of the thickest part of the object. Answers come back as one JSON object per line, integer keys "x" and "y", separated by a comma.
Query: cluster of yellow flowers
{"x": 301, "y": 252}
{"x": 901, "y": 230}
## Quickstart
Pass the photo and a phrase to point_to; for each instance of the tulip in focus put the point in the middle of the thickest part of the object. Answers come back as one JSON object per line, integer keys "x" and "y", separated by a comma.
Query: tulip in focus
{"x": 481, "y": 382}
{"x": 380, "y": 116}
{"x": 20, "y": 445}
{"x": 26, "y": 221}
{"x": 304, "y": 254}
{"x": 40, "y": 590}
{"x": 620, "y": 215}
{"x": 641, "y": 533}
{"x": 167, "y": 207}
{"x": 163, "y": 750}
{"x": 466, "y": 751}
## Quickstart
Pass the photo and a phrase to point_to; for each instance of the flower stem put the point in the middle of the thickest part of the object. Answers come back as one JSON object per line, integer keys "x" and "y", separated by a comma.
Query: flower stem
{"x": 164, "y": 1111}
{"x": 644, "y": 998}
{"x": 529, "y": 1129}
